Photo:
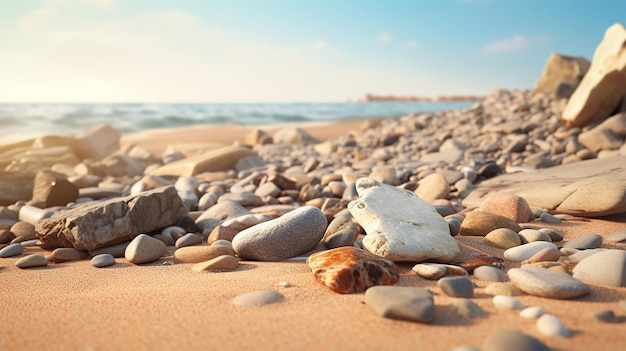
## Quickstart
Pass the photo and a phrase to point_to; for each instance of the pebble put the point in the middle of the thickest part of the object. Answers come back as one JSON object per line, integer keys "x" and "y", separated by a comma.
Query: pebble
{"x": 224, "y": 262}
{"x": 607, "y": 316}
{"x": 480, "y": 223}
{"x": 490, "y": 274}
{"x": 510, "y": 206}
{"x": 5, "y": 235}
{"x": 201, "y": 253}
{"x": 551, "y": 325}
{"x": 432, "y": 187}
{"x": 454, "y": 225}
{"x": 144, "y": 249}
{"x": 103, "y": 260}
{"x": 11, "y": 250}
{"x": 24, "y": 230}
{"x": 549, "y": 218}
{"x": 585, "y": 242}
{"x": 285, "y": 237}
{"x": 434, "y": 271}
{"x": 188, "y": 239}
{"x": 465, "y": 348}
{"x": 503, "y": 238}
{"x": 402, "y": 303}
{"x": 526, "y": 251}
{"x": 32, "y": 260}
{"x": 544, "y": 282}
{"x": 501, "y": 288}
{"x": 258, "y": 298}
{"x": 65, "y": 254}
{"x": 594, "y": 269}
{"x": 616, "y": 237}
{"x": 507, "y": 303}
{"x": 532, "y": 235}
{"x": 510, "y": 340}
{"x": 466, "y": 308}
{"x": 116, "y": 250}
{"x": 547, "y": 254}
{"x": 575, "y": 255}
{"x": 456, "y": 286}
{"x": 532, "y": 312}
{"x": 554, "y": 234}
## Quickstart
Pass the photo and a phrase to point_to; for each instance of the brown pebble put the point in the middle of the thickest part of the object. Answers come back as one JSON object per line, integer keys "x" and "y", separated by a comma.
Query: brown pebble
{"x": 223, "y": 262}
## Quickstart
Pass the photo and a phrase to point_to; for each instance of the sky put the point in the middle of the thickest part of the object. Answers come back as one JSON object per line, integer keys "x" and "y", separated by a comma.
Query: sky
{"x": 285, "y": 50}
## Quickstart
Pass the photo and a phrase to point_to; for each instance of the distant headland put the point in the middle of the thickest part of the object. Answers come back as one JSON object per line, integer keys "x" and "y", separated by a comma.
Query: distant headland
{"x": 442, "y": 98}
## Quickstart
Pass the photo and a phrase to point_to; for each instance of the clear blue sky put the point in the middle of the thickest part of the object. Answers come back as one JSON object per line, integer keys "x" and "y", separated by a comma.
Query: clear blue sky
{"x": 285, "y": 50}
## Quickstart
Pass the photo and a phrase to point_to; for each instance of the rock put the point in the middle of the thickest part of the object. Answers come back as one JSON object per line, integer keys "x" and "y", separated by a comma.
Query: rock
{"x": 53, "y": 189}
{"x": 479, "y": 261}
{"x": 512, "y": 207}
{"x": 197, "y": 253}
{"x": 532, "y": 235}
{"x": 526, "y": 251}
{"x": 94, "y": 224}
{"x": 590, "y": 188}
{"x": 479, "y": 223}
{"x": 554, "y": 234}
{"x": 532, "y": 312}
{"x": 293, "y": 136}
{"x": 548, "y": 218}
{"x": 5, "y": 235}
{"x": 606, "y": 268}
{"x": 103, "y": 260}
{"x": 348, "y": 270}
{"x": 188, "y": 239}
{"x": 607, "y": 316}
{"x": 561, "y": 75}
{"x": 231, "y": 227}
{"x": 15, "y": 187}
{"x": 33, "y": 215}
{"x": 434, "y": 271}
{"x": 551, "y": 325}
{"x": 32, "y": 260}
{"x": 547, "y": 254}
{"x": 411, "y": 230}
{"x": 258, "y": 298}
{"x": 285, "y": 237}
{"x": 616, "y": 237}
{"x": 401, "y": 303}
{"x": 341, "y": 231}
{"x": 224, "y": 262}
{"x": 116, "y": 250}
{"x": 501, "y": 288}
{"x": 432, "y": 187}
{"x": 544, "y": 282}
{"x": 243, "y": 198}
{"x": 513, "y": 341}
{"x": 490, "y": 274}
{"x": 466, "y": 308}
{"x": 502, "y": 238}
{"x": 257, "y": 137}
{"x": 214, "y": 160}
{"x": 602, "y": 88}
{"x": 11, "y": 250}
{"x": 97, "y": 142}
{"x": 218, "y": 213}
{"x": 65, "y": 254}
{"x": 588, "y": 241}
{"x": 144, "y": 249}
{"x": 24, "y": 230}
{"x": 456, "y": 286}
{"x": 507, "y": 303}
{"x": 598, "y": 139}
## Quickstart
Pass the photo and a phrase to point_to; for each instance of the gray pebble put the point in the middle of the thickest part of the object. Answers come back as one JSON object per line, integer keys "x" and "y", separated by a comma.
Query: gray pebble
{"x": 401, "y": 302}
{"x": 532, "y": 312}
{"x": 454, "y": 225}
{"x": 189, "y": 239}
{"x": 103, "y": 260}
{"x": 548, "y": 218}
{"x": 513, "y": 341}
{"x": 594, "y": 269}
{"x": 466, "y": 308}
{"x": 490, "y": 274}
{"x": 456, "y": 286}
{"x": 551, "y": 325}
{"x": 607, "y": 316}
{"x": 617, "y": 237}
{"x": 554, "y": 234}
{"x": 544, "y": 282}
{"x": 34, "y": 260}
{"x": 589, "y": 241}
{"x": 258, "y": 298}
{"x": 11, "y": 250}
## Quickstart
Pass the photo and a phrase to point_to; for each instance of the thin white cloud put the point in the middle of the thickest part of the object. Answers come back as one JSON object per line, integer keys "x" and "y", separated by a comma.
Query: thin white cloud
{"x": 102, "y": 4}
{"x": 37, "y": 18}
{"x": 170, "y": 19}
{"x": 410, "y": 44}
{"x": 516, "y": 43}
{"x": 319, "y": 45}
{"x": 475, "y": 1}
{"x": 384, "y": 38}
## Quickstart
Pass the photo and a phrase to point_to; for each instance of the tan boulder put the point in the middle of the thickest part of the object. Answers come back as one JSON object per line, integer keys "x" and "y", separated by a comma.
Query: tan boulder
{"x": 602, "y": 89}
{"x": 561, "y": 75}
{"x": 214, "y": 160}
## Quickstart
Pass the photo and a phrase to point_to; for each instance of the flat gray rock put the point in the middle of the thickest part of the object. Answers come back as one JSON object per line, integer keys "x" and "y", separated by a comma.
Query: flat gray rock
{"x": 544, "y": 282}
{"x": 11, "y": 250}
{"x": 258, "y": 298}
{"x": 96, "y": 224}
{"x": 589, "y": 241}
{"x": 513, "y": 341}
{"x": 144, "y": 249}
{"x": 456, "y": 286}
{"x": 590, "y": 188}
{"x": 606, "y": 268}
{"x": 401, "y": 302}
{"x": 103, "y": 260}
{"x": 400, "y": 226}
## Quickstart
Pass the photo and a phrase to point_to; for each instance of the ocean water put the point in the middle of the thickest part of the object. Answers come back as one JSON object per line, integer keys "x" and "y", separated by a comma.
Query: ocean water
{"x": 30, "y": 119}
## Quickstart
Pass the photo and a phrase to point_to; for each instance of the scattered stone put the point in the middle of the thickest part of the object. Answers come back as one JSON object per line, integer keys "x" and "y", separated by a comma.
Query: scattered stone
{"x": 480, "y": 261}
{"x": 258, "y": 298}
{"x": 11, "y": 250}
{"x": 103, "y": 260}
{"x": 574, "y": 256}
{"x": 454, "y": 225}
{"x": 532, "y": 312}
{"x": 503, "y": 238}
{"x": 411, "y": 230}
{"x": 456, "y": 286}
{"x": 501, "y": 288}
{"x": 526, "y": 251}
{"x": 224, "y": 262}
{"x": 510, "y": 206}
{"x": 285, "y": 237}
{"x": 201, "y": 253}
{"x": 432, "y": 187}
{"x": 549, "y": 218}
{"x": 616, "y": 237}
{"x": 551, "y": 325}
{"x": 561, "y": 75}
{"x": 513, "y": 341}
{"x": 531, "y": 235}
{"x": 589, "y": 241}
{"x": 144, "y": 249}
{"x": 341, "y": 231}
{"x": 65, "y": 254}
{"x": 466, "y": 308}
{"x": 594, "y": 269}
{"x": 32, "y": 260}
{"x": 220, "y": 159}
{"x": 507, "y": 303}
{"x": 547, "y": 254}
{"x": 24, "y": 230}
{"x": 479, "y": 223}
{"x": 116, "y": 250}
{"x": 554, "y": 234}
{"x": 607, "y": 316}
{"x": 188, "y": 239}
{"x": 217, "y": 214}
{"x": 96, "y": 224}
{"x": 348, "y": 270}
{"x": 544, "y": 282}
{"x": 53, "y": 189}
{"x": 491, "y": 274}
{"x": 434, "y": 271}
{"x": 402, "y": 303}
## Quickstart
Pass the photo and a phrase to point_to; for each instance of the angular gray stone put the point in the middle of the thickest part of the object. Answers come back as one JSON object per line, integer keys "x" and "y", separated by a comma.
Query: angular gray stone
{"x": 401, "y": 302}
{"x": 503, "y": 238}
{"x": 606, "y": 268}
{"x": 589, "y": 241}
{"x": 456, "y": 286}
{"x": 285, "y": 237}
{"x": 544, "y": 282}
{"x": 53, "y": 189}
{"x": 96, "y": 224}
{"x": 103, "y": 260}
{"x": 144, "y": 249}
{"x": 590, "y": 188}
{"x": 409, "y": 230}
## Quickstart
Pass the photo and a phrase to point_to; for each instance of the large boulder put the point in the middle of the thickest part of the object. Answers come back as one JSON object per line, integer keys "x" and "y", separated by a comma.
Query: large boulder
{"x": 602, "y": 89}
{"x": 561, "y": 75}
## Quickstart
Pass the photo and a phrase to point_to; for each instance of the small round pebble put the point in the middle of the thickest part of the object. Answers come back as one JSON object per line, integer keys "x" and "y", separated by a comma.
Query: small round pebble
{"x": 513, "y": 341}
{"x": 551, "y": 325}
{"x": 258, "y": 298}
{"x": 454, "y": 225}
{"x": 554, "y": 234}
{"x": 188, "y": 239}
{"x": 607, "y": 316}
{"x": 11, "y": 250}
{"x": 548, "y": 218}
{"x": 34, "y": 260}
{"x": 503, "y": 238}
{"x": 531, "y": 235}
{"x": 103, "y": 260}
{"x": 589, "y": 241}
{"x": 466, "y": 308}
{"x": 490, "y": 274}
{"x": 456, "y": 286}
{"x": 532, "y": 312}
{"x": 507, "y": 303}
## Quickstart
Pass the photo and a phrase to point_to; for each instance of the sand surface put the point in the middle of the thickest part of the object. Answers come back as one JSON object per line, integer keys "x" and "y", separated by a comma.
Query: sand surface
{"x": 74, "y": 306}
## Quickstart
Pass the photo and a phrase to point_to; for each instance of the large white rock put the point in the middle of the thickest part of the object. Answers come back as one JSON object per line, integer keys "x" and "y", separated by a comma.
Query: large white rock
{"x": 400, "y": 226}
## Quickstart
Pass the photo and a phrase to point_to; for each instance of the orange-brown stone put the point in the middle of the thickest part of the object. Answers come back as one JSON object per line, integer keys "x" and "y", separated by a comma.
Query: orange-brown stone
{"x": 348, "y": 270}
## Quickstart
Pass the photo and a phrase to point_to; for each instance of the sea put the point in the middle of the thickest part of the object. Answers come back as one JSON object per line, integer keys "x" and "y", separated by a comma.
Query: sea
{"x": 21, "y": 120}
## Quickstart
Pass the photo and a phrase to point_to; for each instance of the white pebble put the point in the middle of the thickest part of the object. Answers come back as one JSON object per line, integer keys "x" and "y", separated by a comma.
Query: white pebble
{"x": 507, "y": 303}
{"x": 532, "y": 312}
{"x": 551, "y": 325}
